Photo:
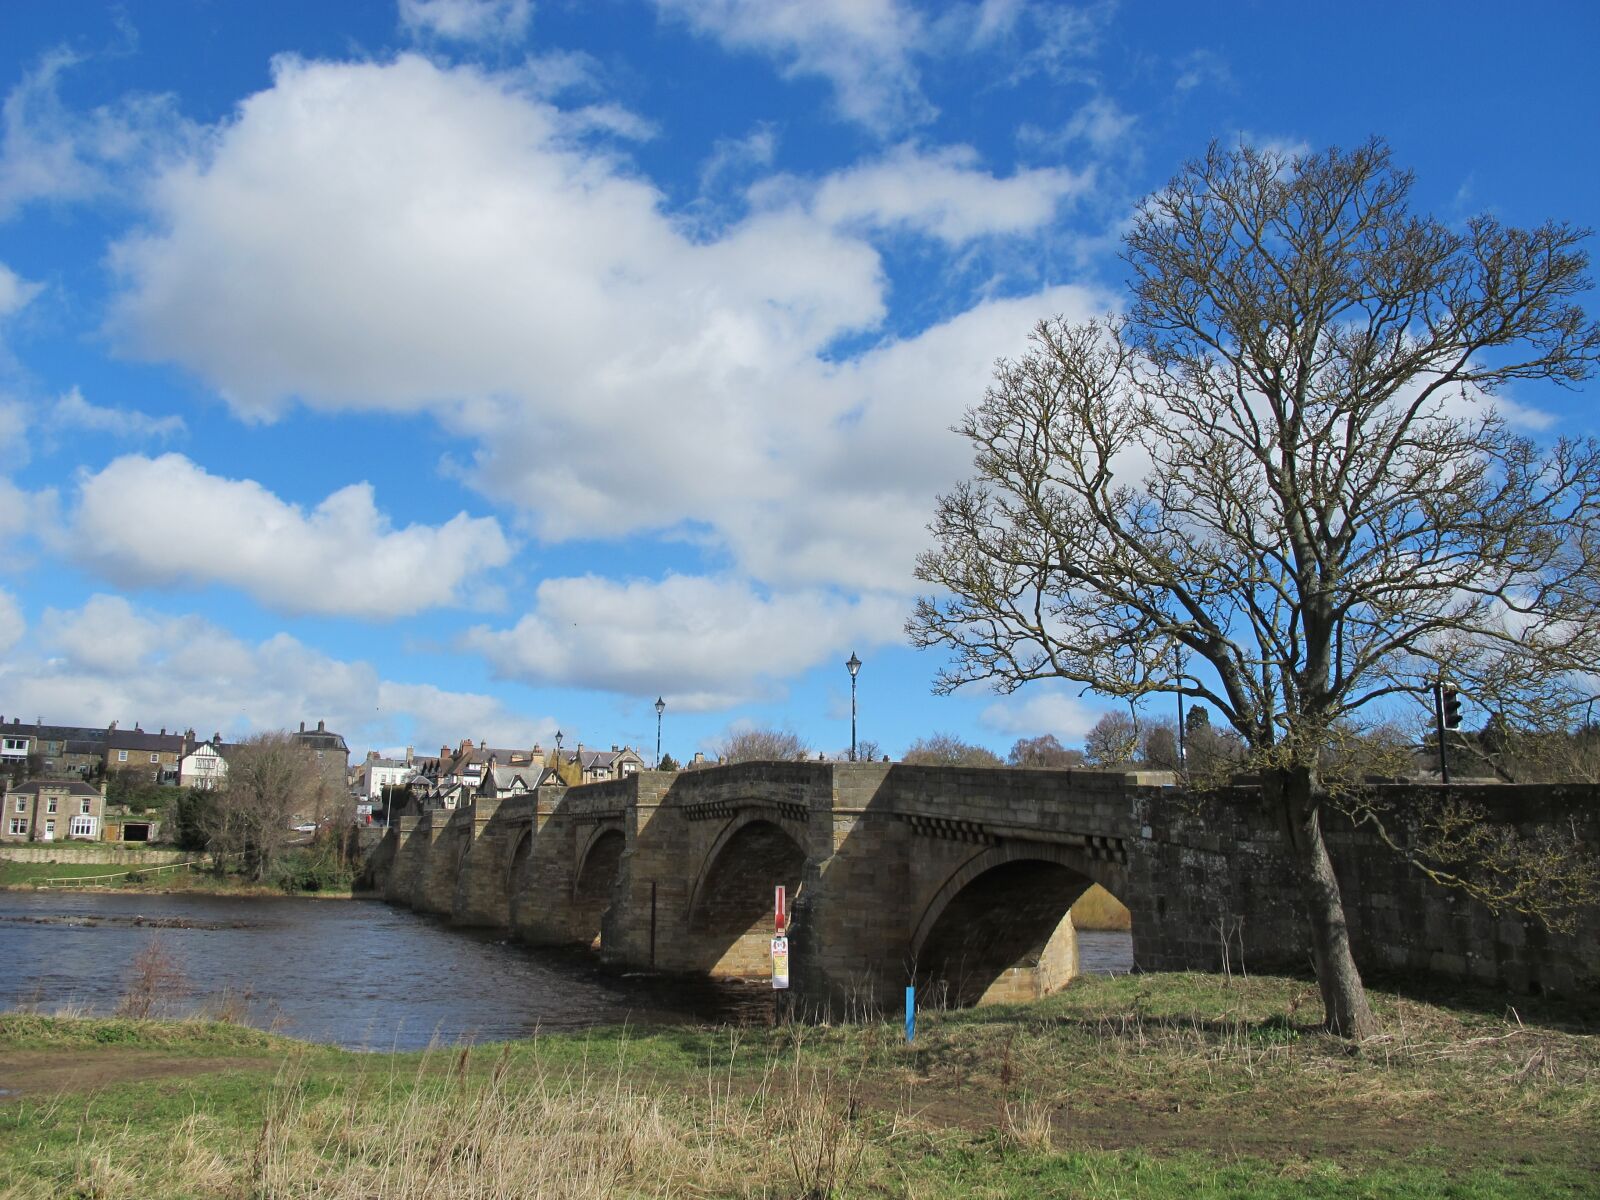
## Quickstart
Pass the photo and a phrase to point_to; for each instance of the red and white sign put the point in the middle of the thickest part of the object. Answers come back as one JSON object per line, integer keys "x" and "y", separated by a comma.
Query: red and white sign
{"x": 780, "y": 962}
{"x": 780, "y": 911}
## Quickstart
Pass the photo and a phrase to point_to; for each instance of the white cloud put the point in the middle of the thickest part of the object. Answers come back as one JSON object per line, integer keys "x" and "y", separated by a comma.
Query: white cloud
{"x": 48, "y": 152}
{"x": 108, "y": 661}
{"x": 15, "y": 292}
{"x": 73, "y": 414}
{"x": 467, "y": 20}
{"x": 404, "y": 237}
{"x": 166, "y": 520}
{"x": 16, "y": 442}
{"x": 1040, "y": 710}
{"x": 703, "y": 643}
{"x": 12, "y": 622}
{"x": 1203, "y": 67}
{"x": 945, "y": 194}
{"x": 863, "y": 48}
{"x": 1101, "y": 123}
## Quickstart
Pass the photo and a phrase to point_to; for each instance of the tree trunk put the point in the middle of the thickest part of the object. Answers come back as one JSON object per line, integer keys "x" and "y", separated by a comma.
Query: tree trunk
{"x": 1344, "y": 997}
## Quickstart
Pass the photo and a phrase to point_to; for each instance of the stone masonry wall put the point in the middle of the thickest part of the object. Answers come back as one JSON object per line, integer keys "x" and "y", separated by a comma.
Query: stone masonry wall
{"x": 882, "y": 850}
{"x": 1216, "y": 871}
{"x": 117, "y": 853}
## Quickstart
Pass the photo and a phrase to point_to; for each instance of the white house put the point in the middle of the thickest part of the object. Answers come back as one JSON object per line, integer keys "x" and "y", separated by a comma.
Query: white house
{"x": 375, "y": 773}
{"x": 205, "y": 766}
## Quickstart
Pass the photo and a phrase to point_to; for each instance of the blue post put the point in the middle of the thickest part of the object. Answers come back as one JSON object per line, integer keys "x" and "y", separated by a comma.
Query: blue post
{"x": 911, "y": 1015}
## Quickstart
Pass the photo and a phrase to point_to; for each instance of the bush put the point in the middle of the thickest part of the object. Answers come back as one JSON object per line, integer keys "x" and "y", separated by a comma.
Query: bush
{"x": 316, "y": 868}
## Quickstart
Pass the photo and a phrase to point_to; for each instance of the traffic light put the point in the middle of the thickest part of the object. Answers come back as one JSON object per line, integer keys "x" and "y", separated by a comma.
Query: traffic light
{"x": 1450, "y": 700}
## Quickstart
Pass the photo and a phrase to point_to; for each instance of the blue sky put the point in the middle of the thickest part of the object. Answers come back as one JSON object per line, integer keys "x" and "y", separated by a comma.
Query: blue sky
{"x": 474, "y": 368}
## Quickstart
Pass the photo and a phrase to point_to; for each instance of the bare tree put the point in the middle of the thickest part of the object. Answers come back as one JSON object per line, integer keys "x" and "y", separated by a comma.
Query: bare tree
{"x": 947, "y": 750}
{"x": 272, "y": 778}
{"x": 1043, "y": 751}
{"x": 1112, "y": 741}
{"x": 764, "y": 745}
{"x": 1158, "y": 746}
{"x": 1276, "y": 486}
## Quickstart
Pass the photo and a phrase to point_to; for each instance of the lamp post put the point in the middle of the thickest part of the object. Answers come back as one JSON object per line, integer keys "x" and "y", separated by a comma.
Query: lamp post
{"x": 661, "y": 707}
{"x": 854, "y": 667}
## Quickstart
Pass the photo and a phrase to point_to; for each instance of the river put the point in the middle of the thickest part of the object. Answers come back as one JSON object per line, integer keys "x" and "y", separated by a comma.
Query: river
{"x": 352, "y": 973}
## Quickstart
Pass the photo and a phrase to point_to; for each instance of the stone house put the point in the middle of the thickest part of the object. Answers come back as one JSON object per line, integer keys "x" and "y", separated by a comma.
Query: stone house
{"x": 50, "y": 810}
{"x": 154, "y": 756}
{"x": 333, "y": 760}
{"x": 60, "y": 751}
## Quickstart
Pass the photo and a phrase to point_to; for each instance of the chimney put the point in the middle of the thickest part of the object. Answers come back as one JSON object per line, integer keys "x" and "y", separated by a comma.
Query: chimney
{"x": 111, "y": 727}
{"x": 319, "y": 727}
{"x": 372, "y": 756}
{"x": 302, "y": 726}
{"x": 408, "y": 756}
{"x": 216, "y": 738}
{"x": 163, "y": 731}
{"x": 699, "y": 758}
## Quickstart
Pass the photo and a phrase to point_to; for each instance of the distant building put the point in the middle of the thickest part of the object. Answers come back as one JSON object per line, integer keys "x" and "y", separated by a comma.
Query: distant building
{"x": 333, "y": 759}
{"x": 52, "y": 810}
{"x": 205, "y": 765}
{"x": 374, "y": 773}
{"x": 59, "y": 751}
{"x": 153, "y": 756}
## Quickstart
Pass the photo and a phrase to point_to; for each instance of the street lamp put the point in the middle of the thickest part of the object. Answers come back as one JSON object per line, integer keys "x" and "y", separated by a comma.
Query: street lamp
{"x": 661, "y": 707}
{"x": 854, "y": 667}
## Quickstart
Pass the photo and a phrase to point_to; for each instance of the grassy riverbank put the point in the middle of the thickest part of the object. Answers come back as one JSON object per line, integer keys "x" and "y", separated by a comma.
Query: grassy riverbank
{"x": 1142, "y": 1086}
{"x": 152, "y": 879}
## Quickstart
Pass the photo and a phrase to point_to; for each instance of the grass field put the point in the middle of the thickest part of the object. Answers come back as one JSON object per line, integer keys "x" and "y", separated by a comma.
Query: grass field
{"x": 151, "y": 878}
{"x": 1139, "y": 1086}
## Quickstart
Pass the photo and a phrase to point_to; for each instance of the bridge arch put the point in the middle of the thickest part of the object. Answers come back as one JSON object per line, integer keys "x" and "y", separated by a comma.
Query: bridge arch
{"x": 1000, "y": 928}
{"x": 599, "y": 863}
{"x": 730, "y": 904}
{"x": 517, "y": 869}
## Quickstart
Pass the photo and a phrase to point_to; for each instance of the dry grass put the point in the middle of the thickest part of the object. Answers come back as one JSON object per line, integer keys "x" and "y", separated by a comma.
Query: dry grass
{"x": 1099, "y": 909}
{"x": 1172, "y": 1065}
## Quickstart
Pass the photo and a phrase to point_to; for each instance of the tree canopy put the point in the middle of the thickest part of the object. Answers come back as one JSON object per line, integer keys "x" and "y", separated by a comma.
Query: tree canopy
{"x": 764, "y": 745}
{"x": 1279, "y": 485}
{"x": 947, "y": 750}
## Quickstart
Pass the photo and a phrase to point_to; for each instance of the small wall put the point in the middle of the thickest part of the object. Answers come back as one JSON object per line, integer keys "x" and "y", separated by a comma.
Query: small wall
{"x": 117, "y": 853}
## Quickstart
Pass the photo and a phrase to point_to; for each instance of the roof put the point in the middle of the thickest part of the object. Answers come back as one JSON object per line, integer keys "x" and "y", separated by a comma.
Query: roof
{"x": 505, "y": 778}
{"x": 138, "y": 739}
{"x": 55, "y": 733}
{"x": 74, "y": 787}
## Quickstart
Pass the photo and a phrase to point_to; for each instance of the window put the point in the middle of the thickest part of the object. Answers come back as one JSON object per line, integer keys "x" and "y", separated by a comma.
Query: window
{"x": 155, "y": 757}
{"x": 122, "y": 756}
{"x": 85, "y": 808}
{"x": 50, "y": 805}
{"x": 22, "y": 804}
{"x": 19, "y": 826}
{"x": 82, "y": 826}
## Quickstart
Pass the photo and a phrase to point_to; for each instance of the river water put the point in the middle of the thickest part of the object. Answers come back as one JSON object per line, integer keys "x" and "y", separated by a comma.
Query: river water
{"x": 353, "y": 973}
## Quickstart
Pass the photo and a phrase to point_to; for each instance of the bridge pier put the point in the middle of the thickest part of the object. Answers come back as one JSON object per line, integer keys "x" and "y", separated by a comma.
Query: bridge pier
{"x": 482, "y": 894}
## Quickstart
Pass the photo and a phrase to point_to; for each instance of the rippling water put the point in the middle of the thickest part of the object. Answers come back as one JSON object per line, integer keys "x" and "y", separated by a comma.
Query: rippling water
{"x": 354, "y": 973}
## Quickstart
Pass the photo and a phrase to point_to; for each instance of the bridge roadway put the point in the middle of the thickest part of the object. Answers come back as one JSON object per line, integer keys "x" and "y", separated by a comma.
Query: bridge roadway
{"x": 959, "y": 878}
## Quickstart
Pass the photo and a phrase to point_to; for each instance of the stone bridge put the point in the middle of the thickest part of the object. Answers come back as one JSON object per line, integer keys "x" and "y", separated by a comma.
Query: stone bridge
{"x": 959, "y": 878}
